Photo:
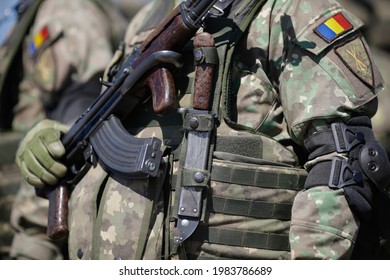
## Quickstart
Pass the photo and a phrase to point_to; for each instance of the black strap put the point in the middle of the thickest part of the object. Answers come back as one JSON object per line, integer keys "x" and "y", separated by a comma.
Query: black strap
{"x": 336, "y": 174}
{"x": 340, "y": 137}
{"x": 344, "y": 139}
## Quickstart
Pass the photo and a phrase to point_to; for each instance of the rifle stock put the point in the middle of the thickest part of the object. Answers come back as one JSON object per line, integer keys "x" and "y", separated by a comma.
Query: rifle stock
{"x": 150, "y": 61}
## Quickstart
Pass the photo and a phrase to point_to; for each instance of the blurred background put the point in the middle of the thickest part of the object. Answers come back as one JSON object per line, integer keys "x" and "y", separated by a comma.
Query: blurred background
{"x": 130, "y": 7}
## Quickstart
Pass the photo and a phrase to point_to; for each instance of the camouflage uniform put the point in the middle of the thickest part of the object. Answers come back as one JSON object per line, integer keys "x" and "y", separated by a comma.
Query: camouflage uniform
{"x": 287, "y": 83}
{"x": 65, "y": 50}
{"x": 9, "y": 184}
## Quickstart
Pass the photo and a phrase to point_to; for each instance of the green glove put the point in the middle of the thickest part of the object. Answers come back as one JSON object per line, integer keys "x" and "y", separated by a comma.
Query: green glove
{"x": 38, "y": 154}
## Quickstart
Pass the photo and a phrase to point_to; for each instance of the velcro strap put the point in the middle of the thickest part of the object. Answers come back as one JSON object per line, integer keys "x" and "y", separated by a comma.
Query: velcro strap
{"x": 339, "y": 137}
{"x": 250, "y": 208}
{"x": 267, "y": 178}
{"x": 240, "y": 238}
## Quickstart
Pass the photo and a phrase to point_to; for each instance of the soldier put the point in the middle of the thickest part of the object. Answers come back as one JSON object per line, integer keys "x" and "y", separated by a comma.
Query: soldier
{"x": 294, "y": 170}
{"x": 52, "y": 54}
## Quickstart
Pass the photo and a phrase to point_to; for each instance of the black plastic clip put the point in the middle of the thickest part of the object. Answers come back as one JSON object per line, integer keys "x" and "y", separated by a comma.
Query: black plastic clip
{"x": 338, "y": 174}
{"x": 339, "y": 131}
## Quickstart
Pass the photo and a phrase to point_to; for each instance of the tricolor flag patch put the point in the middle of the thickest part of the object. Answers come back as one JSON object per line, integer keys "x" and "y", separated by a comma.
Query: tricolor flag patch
{"x": 38, "y": 40}
{"x": 333, "y": 27}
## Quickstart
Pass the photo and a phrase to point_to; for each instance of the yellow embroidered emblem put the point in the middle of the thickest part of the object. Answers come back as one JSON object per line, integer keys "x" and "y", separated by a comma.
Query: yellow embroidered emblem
{"x": 45, "y": 70}
{"x": 354, "y": 55}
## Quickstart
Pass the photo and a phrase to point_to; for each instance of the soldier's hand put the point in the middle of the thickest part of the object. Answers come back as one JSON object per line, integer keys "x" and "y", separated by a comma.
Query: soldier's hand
{"x": 39, "y": 153}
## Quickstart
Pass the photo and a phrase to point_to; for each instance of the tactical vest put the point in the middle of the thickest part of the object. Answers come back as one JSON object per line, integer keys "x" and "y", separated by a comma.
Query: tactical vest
{"x": 252, "y": 178}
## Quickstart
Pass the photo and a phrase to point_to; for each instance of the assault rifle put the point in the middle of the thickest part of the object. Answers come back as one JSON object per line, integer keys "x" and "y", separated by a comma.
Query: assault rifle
{"x": 99, "y": 131}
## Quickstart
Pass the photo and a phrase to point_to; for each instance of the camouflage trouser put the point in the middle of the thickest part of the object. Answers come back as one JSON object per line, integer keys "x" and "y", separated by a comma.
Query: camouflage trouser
{"x": 9, "y": 184}
{"x": 322, "y": 225}
{"x": 29, "y": 218}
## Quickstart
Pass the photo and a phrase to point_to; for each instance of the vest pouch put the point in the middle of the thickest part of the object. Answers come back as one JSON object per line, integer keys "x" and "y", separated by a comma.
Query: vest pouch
{"x": 248, "y": 206}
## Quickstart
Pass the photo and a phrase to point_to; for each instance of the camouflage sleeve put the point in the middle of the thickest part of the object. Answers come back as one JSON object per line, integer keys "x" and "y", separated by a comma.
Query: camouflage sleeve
{"x": 325, "y": 69}
{"x": 69, "y": 44}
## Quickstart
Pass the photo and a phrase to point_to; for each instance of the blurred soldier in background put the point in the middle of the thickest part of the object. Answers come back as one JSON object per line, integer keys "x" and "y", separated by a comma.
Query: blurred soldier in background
{"x": 52, "y": 53}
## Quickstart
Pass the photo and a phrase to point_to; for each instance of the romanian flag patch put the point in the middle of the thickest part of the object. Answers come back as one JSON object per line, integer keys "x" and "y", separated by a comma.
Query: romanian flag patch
{"x": 333, "y": 27}
{"x": 38, "y": 40}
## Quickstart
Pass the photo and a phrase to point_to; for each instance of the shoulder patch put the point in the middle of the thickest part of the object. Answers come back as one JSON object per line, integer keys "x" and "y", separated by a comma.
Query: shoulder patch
{"x": 45, "y": 71}
{"x": 333, "y": 27}
{"x": 38, "y": 40}
{"x": 354, "y": 54}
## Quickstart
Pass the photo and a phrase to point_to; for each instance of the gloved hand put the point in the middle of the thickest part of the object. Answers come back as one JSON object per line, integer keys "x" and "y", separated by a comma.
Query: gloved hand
{"x": 38, "y": 154}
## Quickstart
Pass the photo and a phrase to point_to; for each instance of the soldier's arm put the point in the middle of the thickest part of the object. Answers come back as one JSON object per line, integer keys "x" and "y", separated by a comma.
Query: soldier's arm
{"x": 328, "y": 88}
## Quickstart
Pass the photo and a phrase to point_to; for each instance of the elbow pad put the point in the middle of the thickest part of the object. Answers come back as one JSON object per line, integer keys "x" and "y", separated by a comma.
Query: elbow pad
{"x": 359, "y": 163}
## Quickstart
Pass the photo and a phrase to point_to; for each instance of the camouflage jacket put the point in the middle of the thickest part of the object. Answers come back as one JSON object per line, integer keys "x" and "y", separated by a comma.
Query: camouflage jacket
{"x": 294, "y": 71}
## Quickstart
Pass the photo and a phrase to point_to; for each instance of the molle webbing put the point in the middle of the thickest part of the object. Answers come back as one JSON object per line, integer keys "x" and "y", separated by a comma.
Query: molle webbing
{"x": 240, "y": 238}
{"x": 250, "y": 176}
{"x": 269, "y": 177}
{"x": 250, "y": 208}
{"x": 273, "y": 177}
